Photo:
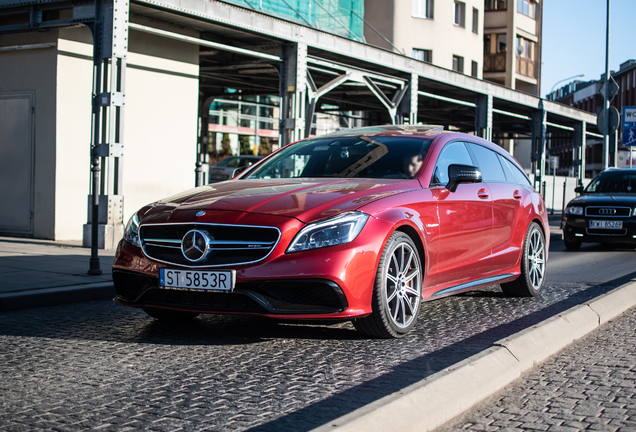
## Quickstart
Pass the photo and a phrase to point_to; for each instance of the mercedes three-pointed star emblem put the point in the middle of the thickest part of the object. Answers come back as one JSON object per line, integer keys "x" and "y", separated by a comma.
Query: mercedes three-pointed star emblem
{"x": 195, "y": 245}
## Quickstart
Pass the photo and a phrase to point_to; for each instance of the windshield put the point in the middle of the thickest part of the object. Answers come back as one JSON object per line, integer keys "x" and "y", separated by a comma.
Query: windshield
{"x": 613, "y": 181}
{"x": 341, "y": 157}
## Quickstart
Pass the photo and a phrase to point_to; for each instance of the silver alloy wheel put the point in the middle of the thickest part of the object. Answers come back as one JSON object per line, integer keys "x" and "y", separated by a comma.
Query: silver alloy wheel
{"x": 402, "y": 282}
{"x": 536, "y": 259}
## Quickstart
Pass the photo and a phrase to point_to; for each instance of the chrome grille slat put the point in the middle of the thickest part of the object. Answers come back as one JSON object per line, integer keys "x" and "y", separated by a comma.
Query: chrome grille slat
{"x": 230, "y": 244}
{"x": 597, "y": 211}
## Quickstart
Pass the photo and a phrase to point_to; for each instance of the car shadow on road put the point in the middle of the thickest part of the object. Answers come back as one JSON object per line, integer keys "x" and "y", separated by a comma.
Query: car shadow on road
{"x": 415, "y": 370}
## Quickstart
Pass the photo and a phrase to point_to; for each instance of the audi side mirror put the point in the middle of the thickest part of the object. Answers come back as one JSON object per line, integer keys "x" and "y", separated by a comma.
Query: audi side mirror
{"x": 578, "y": 189}
{"x": 458, "y": 174}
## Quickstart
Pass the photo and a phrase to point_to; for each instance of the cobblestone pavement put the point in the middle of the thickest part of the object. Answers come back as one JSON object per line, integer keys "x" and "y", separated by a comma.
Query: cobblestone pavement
{"x": 590, "y": 385}
{"x": 103, "y": 366}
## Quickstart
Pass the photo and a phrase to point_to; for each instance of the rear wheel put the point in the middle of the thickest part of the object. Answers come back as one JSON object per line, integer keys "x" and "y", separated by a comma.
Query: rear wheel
{"x": 170, "y": 315}
{"x": 397, "y": 290}
{"x": 569, "y": 245}
{"x": 533, "y": 263}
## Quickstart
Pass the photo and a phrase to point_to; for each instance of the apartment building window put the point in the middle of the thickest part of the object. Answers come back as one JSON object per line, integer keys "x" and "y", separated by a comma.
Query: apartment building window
{"x": 460, "y": 14}
{"x": 458, "y": 64}
{"x": 423, "y": 55}
{"x": 475, "y": 21}
{"x": 527, "y": 7}
{"x": 495, "y": 52}
{"x": 525, "y": 57}
{"x": 494, "y": 5}
{"x": 423, "y": 8}
{"x": 474, "y": 72}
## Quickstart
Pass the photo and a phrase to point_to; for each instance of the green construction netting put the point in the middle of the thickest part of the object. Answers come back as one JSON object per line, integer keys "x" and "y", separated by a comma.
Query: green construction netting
{"x": 340, "y": 17}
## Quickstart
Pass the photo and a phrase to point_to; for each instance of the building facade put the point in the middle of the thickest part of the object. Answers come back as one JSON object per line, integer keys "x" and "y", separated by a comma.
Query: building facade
{"x": 586, "y": 95}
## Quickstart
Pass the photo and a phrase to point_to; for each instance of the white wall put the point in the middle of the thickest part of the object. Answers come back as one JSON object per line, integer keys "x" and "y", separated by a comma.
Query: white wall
{"x": 161, "y": 118}
{"x": 73, "y": 132}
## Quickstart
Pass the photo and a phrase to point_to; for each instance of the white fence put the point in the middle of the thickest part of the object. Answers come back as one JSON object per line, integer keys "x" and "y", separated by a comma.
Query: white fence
{"x": 555, "y": 187}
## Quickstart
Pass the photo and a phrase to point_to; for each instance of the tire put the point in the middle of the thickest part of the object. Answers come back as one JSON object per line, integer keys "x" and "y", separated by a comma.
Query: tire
{"x": 397, "y": 291}
{"x": 533, "y": 264}
{"x": 571, "y": 245}
{"x": 169, "y": 315}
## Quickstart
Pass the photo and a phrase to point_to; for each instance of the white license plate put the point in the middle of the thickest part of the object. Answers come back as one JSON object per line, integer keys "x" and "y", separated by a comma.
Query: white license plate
{"x": 218, "y": 280}
{"x": 604, "y": 224}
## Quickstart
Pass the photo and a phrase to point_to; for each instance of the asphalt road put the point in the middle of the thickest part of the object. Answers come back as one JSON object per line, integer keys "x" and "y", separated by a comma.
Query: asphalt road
{"x": 99, "y": 365}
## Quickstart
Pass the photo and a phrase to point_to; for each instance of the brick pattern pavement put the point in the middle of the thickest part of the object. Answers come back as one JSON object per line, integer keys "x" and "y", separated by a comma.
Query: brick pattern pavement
{"x": 103, "y": 366}
{"x": 591, "y": 385}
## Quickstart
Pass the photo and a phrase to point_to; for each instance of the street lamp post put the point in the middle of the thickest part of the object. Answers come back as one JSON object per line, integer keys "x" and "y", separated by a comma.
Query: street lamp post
{"x": 563, "y": 80}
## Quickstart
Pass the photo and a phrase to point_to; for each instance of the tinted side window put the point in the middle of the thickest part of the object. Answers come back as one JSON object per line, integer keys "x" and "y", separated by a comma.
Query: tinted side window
{"x": 520, "y": 177}
{"x": 491, "y": 170}
{"x": 507, "y": 170}
{"x": 452, "y": 153}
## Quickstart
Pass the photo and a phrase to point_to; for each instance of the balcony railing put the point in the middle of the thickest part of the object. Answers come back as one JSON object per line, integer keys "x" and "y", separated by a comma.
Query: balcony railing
{"x": 495, "y": 62}
{"x": 525, "y": 67}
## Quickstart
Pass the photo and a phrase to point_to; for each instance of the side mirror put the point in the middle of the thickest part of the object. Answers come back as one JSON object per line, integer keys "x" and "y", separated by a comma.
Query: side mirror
{"x": 578, "y": 189}
{"x": 462, "y": 174}
{"x": 239, "y": 171}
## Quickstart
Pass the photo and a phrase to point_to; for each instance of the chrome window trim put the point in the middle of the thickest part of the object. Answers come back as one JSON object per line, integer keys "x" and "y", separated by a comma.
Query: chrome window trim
{"x": 143, "y": 244}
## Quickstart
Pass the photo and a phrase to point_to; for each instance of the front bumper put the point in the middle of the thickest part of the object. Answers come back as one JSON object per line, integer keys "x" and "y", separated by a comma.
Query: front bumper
{"x": 577, "y": 229}
{"x": 280, "y": 297}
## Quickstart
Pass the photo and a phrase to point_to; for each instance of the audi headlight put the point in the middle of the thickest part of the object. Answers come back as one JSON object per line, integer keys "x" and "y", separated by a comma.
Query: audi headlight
{"x": 575, "y": 210}
{"x": 131, "y": 233}
{"x": 332, "y": 231}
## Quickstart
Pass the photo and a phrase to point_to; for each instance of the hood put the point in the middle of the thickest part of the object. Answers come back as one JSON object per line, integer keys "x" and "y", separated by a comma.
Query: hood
{"x": 304, "y": 199}
{"x": 614, "y": 199}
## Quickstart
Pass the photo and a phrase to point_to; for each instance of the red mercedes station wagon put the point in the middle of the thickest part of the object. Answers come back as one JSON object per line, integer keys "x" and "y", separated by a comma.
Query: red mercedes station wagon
{"x": 359, "y": 225}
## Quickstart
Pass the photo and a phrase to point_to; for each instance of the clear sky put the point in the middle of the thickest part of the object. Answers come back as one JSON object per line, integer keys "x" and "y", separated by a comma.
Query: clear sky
{"x": 574, "y": 39}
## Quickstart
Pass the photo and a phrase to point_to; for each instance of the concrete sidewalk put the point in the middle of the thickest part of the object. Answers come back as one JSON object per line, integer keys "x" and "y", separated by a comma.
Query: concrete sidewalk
{"x": 35, "y": 273}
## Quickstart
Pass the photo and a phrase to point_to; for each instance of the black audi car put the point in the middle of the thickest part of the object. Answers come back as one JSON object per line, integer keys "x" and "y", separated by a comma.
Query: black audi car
{"x": 605, "y": 212}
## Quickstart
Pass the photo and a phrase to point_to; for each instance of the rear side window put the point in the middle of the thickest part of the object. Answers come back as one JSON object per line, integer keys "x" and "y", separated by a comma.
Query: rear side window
{"x": 519, "y": 177}
{"x": 491, "y": 170}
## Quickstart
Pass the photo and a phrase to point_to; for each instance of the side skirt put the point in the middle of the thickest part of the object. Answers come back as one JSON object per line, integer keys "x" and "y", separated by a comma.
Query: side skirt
{"x": 473, "y": 284}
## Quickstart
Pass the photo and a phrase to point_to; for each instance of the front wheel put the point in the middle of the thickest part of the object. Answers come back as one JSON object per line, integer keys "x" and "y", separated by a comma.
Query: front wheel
{"x": 533, "y": 263}
{"x": 397, "y": 291}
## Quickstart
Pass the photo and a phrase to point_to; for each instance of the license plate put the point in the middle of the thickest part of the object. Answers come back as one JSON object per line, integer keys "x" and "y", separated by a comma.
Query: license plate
{"x": 218, "y": 280}
{"x": 604, "y": 224}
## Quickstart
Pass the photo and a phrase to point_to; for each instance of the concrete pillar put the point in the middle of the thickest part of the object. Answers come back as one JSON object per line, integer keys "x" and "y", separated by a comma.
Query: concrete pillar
{"x": 483, "y": 117}
{"x": 293, "y": 93}
{"x": 579, "y": 150}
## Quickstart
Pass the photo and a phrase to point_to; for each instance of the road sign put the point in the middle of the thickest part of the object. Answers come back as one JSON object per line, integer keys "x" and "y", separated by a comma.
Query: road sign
{"x": 629, "y": 117}
{"x": 613, "y": 89}
{"x": 629, "y": 137}
{"x": 614, "y": 120}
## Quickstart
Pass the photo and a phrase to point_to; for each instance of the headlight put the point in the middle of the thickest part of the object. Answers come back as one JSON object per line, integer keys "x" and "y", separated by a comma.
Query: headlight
{"x": 575, "y": 210}
{"x": 336, "y": 230}
{"x": 131, "y": 234}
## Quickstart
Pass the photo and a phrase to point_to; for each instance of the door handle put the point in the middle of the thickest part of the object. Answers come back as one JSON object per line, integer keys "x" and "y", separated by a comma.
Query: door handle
{"x": 516, "y": 195}
{"x": 482, "y": 193}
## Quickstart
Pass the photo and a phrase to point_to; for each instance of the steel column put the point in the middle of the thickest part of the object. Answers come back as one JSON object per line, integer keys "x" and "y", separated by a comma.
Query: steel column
{"x": 110, "y": 46}
{"x": 483, "y": 116}
{"x": 539, "y": 124}
{"x": 579, "y": 150}
{"x": 293, "y": 93}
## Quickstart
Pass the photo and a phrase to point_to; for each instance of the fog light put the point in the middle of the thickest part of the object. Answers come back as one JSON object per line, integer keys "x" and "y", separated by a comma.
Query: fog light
{"x": 578, "y": 235}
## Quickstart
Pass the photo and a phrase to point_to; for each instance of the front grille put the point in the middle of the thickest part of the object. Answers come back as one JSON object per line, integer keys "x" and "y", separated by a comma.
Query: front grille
{"x": 230, "y": 244}
{"x": 608, "y": 211}
{"x": 218, "y": 302}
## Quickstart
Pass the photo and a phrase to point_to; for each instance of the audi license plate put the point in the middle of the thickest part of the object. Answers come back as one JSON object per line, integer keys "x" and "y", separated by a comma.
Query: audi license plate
{"x": 218, "y": 280}
{"x": 605, "y": 224}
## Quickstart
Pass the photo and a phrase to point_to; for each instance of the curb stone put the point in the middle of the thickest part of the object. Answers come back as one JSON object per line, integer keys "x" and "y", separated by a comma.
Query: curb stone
{"x": 435, "y": 400}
